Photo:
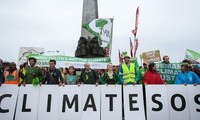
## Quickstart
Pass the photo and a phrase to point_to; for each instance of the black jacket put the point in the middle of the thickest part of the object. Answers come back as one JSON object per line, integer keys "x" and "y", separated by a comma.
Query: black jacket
{"x": 90, "y": 77}
{"x": 53, "y": 77}
{"x": 1, "y": 75}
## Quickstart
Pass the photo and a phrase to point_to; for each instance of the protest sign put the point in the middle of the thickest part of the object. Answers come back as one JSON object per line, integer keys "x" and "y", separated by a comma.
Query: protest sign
{"x": 8, "y": 97}
{"x": 66, "y": 61}
{"x": 25, "y": 51}
{"x": 157, "y": 105}
{"x": 168, "y": 72}
{"x": 133, "y": 102}
{"x": 151, "y": 56}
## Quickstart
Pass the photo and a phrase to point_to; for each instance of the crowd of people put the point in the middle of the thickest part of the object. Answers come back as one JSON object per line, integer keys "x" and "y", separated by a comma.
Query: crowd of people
{"x": 126, "y": 73}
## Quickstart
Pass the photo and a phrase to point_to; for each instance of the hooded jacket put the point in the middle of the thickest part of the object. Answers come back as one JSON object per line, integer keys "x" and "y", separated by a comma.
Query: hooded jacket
{"x": 188, "y": 77}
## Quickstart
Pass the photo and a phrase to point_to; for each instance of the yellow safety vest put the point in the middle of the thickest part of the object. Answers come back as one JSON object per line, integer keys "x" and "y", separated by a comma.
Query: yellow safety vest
{"x": 24, "y": 72}
{"x": 128, "y": 75}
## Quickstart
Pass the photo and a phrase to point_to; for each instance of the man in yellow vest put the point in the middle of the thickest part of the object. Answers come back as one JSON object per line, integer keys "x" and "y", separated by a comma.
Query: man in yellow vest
{"x": 128, "y": 71}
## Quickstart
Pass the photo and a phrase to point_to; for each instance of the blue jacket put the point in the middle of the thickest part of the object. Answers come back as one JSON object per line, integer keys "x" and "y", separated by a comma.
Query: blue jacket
{"x": 187, "y": 78}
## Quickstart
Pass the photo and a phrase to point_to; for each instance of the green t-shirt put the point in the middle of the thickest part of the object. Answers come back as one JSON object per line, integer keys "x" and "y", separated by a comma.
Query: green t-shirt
{"x": 34, "y": 72}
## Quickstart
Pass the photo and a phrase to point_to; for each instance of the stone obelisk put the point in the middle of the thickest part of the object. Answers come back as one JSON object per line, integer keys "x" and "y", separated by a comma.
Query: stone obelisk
{"x": 89, "y": 13}
{"x": 88, "y": 46}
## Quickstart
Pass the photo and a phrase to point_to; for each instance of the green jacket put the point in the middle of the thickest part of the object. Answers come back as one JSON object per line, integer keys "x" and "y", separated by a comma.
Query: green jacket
{"x": 141, "y": 75}
{"x": 115, "y": 79}
{"x": 33, "y": 72}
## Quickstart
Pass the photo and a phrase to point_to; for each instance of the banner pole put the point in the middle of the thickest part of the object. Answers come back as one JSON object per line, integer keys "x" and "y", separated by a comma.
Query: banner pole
{"x": 110, "y": 48}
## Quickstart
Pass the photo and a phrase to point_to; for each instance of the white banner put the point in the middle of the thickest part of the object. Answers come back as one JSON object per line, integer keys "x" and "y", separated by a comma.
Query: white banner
{"x": 25, "y": 51}
{"x": 90, "y": 102}
{"x": 27, "y": 105}
{"x": 194, "y": 100}
{"x": 70, "y": 103}
{"x": 133, "y": 102}
{"x": 8, "y": 99}
{"x": 170, "y": 102}
{"x": 49, "y": 102}
{"x": 81, "y": 65}
{"x": 67, "y": 61}
{"x": 178, "y": 102}
{"x": 157, "y": 105}
{"x": 66, "y": 64}
{"x": 111, "y": 101}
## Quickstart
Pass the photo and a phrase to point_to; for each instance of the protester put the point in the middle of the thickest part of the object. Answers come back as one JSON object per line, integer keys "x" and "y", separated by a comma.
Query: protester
{"x": 165, "y": 59}
{"x": 53, "y": 75}
{"x": 193, "y": 66}
{"x": 128, "y": 71}
{"x": 101, "y": 73}
{"x": 71, "y": 78}
{"x": 89, "y": 76}
{"x": 115, "y": 68}
{"x": 186, "y": 77}
{"x": 110, "y": 77}
{"x": 22, "y": 71}
{"x": 34, "y": 74}
{"x": 151, "y": 76}
{"x": 64, "y": 71}
{"x": 44, "y": 69}
{"x": 142, "y": 70}
{"x": 11, "y": 75}
{"x": 1, "y": 72}
{"x": 6, "y": 65}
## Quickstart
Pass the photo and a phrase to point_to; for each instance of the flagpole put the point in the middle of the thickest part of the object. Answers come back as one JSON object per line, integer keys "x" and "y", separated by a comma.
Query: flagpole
{"x": 110, "y": 49}
{"x": 135, "y": 45}
{"x": 131, "y": 47}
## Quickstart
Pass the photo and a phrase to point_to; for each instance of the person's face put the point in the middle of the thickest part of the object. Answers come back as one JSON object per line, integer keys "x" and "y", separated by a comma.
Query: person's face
{"x": 114, "y": 68}
{"x": 52, "y": 65}
{"x": 64, "y": 71}
{"x": 13, "y": 66}
{"x": 32, "y": 63}
{"x": 71, "y": 70}
{"x": 145, "y": 66}
{"x": 87, "y": 66}
{"x": 154, "y": 68}
{"x": 127, "y": 60}
{"x": 26, "y": 67}
{"x": 166, "y": 59}
{"x": 183, "y": 68}
{"x": 110, "y": 67}
{"x": 7, "y": 67}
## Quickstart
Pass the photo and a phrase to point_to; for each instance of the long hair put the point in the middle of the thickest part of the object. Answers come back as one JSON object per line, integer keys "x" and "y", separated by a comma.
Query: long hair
{"x": 151, "y": 65}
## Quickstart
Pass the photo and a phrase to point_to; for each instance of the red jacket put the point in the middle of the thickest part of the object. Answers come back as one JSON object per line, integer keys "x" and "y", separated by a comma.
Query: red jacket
{"x": 152, "y": 78}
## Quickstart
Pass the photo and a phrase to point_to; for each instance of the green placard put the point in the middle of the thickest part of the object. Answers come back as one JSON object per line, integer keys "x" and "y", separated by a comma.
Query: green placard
{"x": 168, "y": 72}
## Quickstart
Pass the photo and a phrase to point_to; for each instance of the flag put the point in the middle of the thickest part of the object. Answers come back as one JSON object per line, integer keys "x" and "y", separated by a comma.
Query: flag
{"x": 192, "y": 55}
{"x": 136, "y": 22}
{"x": 136, "y": 46}
{"x": 101, "y": 28}
{"x": 131, "y": 48}
{"x": 120, "y": 57}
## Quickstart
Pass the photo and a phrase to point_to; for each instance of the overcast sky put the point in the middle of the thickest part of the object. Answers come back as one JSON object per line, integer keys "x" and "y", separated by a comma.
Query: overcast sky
{"x": 170, "y": 26}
